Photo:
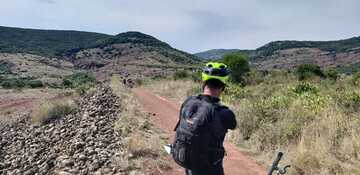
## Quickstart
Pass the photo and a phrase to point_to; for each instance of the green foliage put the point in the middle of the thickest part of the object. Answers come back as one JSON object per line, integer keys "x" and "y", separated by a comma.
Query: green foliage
{"x": 356, "y": 79}
{"x": 331, "y": 74}
{"x": 254, "y": 77}
{"x": 56, "y": 43}
{"x": 351, "y": 100}
{"x": 136, "y": 38}
{"x": 46, "y": 42}
{"x": 352, "y": 68}
{"x": 238, "y": 65}
{"x": 331, "y": 46}
{"x": 303, "y": 88}
{"x": 35, "y": 84}
{"x": 233, "y": 92}
{"x": 5, "y": 68}
{"x": 307, "y": 71}
{"x": 81, "y": 81}
{"x": 181, "y": 74}
{"x": 196, "y": 76}
{"x": 12, "y": 83}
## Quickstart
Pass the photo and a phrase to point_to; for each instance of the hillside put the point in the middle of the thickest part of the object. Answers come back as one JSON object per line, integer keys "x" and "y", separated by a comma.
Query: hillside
{"x": 287, "y": 54}
{"x": 131, "y": 54}
{"x": 215, "y": 53}
{"x": 61, "y": 43}
{"x": 45, "y": 42}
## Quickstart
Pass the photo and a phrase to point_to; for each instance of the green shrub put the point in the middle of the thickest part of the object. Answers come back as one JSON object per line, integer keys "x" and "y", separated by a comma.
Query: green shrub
{"x": 35, "y": 84}
{"x": 305, "y": 88}
{"x": 351, "y": 99}
{"x": 13, "y": 83}
{"x": 196, "y": 76}
{"x": 78, "y": 79}
{"x": 182, "y": 74}
{"x": 356, "y": 79}
{"x": 238, "y": 65}
{"x": 331, "y": 74}
{"x": 5, "y": 68}
{"x": 234, "y": 92}
{"x": 254, "y": 77}
{"x": 307, "y": 71}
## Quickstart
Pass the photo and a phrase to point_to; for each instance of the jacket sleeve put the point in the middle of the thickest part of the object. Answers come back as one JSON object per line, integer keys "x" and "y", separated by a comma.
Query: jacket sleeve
{"x": 228, "y": 119}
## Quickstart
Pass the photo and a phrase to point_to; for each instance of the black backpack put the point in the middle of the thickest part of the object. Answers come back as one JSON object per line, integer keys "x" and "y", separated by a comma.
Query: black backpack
{"x": 193, "y": 134}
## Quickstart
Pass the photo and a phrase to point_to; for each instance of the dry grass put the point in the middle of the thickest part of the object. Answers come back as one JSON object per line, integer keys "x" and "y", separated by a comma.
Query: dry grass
{"x": 316, "y": 125}
{"x": 49, "y": 110}
{"x": 144, "y": 141}
{"x": 174, "y": 90}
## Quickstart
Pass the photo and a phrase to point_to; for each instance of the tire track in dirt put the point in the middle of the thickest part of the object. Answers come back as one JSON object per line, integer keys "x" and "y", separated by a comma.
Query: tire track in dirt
{"x": 165, "y": 117}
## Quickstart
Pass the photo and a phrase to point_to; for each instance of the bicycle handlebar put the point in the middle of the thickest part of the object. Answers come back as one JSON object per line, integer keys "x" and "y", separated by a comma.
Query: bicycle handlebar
{"x": 274, "y": 166}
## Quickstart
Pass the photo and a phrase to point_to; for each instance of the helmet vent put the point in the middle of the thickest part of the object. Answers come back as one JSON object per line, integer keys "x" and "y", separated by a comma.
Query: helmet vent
{"x": 210, "y": 65}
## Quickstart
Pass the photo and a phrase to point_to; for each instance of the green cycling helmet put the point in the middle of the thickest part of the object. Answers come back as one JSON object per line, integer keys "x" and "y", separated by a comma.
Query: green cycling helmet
{"x": 215, "y": 70}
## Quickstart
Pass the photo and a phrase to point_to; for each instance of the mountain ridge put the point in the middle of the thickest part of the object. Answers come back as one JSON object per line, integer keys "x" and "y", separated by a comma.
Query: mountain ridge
{"x": 344, "y": 55}
{"x": 62, "y": 43}
{"x": 340, "y": 45}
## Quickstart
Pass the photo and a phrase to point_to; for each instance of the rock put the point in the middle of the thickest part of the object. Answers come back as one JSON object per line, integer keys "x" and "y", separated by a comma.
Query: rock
{"x": 80, "y": 143}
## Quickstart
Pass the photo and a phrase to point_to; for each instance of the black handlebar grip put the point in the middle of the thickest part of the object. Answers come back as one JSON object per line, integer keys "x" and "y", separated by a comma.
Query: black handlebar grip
{"x": 275, "y": 163}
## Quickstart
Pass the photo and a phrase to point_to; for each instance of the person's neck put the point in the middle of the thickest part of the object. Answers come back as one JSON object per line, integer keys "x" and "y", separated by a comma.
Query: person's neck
{"x": 210, "y": 93}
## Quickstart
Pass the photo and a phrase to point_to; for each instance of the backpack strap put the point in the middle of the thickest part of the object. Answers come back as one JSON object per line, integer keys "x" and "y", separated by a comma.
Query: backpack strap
{"x": 186, "y": 101}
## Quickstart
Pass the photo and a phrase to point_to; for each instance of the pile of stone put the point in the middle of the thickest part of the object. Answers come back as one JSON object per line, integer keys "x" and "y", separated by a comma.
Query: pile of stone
{"x": 81, "y": 143}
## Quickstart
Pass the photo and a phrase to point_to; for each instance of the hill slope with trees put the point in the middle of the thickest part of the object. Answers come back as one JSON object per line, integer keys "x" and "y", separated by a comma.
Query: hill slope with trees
{"x": 62, "y": 43}
{"x": 339, "y": 54}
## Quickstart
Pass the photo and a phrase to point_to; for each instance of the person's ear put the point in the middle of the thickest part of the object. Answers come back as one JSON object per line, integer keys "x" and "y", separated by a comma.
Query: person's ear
{"x": 223, "y": 89}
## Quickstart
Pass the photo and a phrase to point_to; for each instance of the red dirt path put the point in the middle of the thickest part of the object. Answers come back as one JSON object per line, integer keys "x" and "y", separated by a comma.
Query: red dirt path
{"x": 166, "y": 115}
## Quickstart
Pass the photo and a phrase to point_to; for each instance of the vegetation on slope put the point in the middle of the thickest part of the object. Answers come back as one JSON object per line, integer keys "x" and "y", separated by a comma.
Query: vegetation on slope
{"x": 316, "y": 122}
{"x": 330, "y": 46}
{"x": 57, "y": 43}
{"x": 352, "y": 44}
{"x": 45, "y": 42}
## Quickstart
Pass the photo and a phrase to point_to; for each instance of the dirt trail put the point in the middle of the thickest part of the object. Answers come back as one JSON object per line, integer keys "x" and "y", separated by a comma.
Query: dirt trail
{"x": 165, "y": 117}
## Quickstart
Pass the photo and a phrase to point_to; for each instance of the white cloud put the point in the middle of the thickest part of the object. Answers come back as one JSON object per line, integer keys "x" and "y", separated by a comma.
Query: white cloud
{"x": 194, "y": 25}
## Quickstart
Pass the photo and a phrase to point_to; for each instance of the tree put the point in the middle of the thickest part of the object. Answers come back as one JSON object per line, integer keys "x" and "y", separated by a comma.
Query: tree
{"x": 238, "y": 65}
{"x": 307, "y": 71}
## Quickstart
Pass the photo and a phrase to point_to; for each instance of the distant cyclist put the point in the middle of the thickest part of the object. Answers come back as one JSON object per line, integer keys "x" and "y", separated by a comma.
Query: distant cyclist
{"x": 203, "y": 124}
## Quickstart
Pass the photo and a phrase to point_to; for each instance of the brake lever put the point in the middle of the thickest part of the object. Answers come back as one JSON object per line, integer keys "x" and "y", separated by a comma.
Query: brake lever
{"x": 283, "y": 170}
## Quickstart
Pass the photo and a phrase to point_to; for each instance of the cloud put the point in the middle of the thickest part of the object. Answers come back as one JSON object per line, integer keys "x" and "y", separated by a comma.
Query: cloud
{"x": 194, "y": 25}
{"x": 47, "y": 1}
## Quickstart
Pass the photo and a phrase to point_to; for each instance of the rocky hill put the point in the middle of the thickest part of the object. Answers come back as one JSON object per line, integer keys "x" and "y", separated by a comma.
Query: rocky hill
{"x": 287, "y": 54}
{"x": 126, "y": 53}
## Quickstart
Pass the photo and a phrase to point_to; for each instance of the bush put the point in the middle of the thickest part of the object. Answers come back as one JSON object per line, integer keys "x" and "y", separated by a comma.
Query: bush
{"x": 303, "y": 88}
{"x": 331, "y": 74}
{"x": 13, "y": 83}
{"x": 254, "y": 77}
{"x": 238, "y": 65}
{"x": 307, "y": 71}
{"x": 356, "y": 79}
{"x": 52, "y": 110}
{"x": 5, "y": 68}
{"x": 196, "y": 76}
{"x": 80, "y": 79}
{"x": 182, "y": 74}
{"x": 35, "y": 84}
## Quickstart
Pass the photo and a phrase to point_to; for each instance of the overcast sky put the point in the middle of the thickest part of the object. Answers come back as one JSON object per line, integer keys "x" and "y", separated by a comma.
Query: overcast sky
{"x": 194, "y": 25}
